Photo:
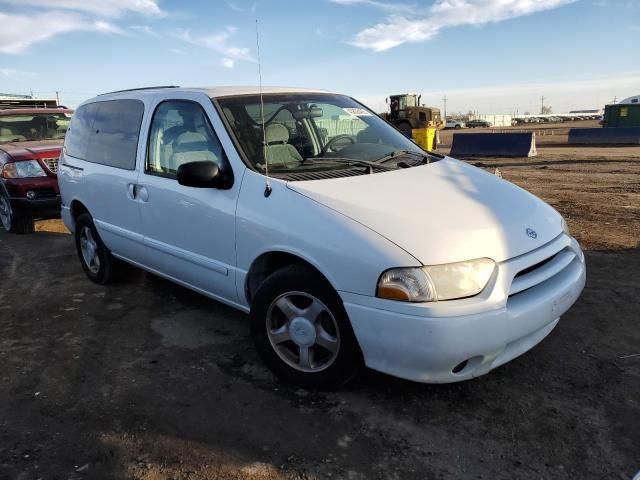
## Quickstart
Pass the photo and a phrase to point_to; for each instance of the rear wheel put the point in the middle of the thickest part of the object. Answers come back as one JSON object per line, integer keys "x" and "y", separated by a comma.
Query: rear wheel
{"x": 96, "y": 259}
{"x": 11, "y": 221}
{"x": 302, "y": 331}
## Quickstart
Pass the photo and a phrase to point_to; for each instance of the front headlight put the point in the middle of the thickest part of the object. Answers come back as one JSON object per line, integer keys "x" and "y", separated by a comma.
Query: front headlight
{"x": 437, "y": 282}
{"x": 23, "y": 169}
{"x": 565, "y": 227}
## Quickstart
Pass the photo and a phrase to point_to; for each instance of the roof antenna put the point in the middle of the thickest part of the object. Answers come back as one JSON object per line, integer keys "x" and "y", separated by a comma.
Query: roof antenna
{"x": 265, "y": 150}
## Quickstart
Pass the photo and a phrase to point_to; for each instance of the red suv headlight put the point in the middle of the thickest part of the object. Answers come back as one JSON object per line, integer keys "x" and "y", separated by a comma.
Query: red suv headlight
{"x": 23, "y": 169}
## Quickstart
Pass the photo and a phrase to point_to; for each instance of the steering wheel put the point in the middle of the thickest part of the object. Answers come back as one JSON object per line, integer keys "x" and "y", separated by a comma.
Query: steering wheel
{"x": 331, "y": 144}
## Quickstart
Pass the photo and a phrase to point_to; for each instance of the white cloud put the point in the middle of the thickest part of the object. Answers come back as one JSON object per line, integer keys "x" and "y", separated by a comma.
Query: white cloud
{"x": 22, "y": 29}
{"x": 386, "y": 6}
{"x": 146, "y": 29}
{"x": 106, "y": 27}
{"x": 220, "y": 42}
{"x": 177, "y": 51}
{"x": 237, "y": 7}
{"x": 398, "y": 29}
{"x": 106, "y": 8}
{"x": 42, "y": 26}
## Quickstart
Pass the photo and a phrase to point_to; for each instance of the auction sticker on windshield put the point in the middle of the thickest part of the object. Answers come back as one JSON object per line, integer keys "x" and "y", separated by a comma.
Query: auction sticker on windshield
{"x": 358, "y": 112}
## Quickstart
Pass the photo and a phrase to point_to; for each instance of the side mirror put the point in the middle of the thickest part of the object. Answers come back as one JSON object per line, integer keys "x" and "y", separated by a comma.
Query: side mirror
{"x": 200, "y": 175}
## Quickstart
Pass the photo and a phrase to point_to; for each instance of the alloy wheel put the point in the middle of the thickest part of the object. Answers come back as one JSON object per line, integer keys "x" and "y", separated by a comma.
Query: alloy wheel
{"x": 89, "y": 249}
{"x": 6, "y": 215}
{"x": 303, "y": 332}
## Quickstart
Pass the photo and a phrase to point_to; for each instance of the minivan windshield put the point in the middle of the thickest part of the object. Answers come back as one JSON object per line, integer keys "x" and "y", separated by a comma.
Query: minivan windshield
{"x": 311, "y": 130}
{"x": 29, "y": 127}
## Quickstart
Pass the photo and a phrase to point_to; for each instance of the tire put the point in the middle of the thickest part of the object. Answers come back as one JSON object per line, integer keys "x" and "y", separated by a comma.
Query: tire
{"x": 457, "y": 127}
{"x": 295, "y": 311}
{"x": 405, "y": 128}
{"x": 96, "y": 259}
{"x": 11, "y": 222}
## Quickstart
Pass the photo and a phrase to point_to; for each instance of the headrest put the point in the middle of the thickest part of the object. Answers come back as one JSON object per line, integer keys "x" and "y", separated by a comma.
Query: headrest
{"x": 191, "y": 137}
{"x": 198, "y": 156}
{"x": 276, "y": 133}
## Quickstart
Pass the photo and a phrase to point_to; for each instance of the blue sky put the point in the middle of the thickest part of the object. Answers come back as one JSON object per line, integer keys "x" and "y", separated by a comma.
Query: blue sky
{"x": 493, "y": 56}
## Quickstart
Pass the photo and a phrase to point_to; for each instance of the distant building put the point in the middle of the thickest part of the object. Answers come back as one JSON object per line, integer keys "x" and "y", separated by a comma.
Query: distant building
{"x": 623, "y": 114}
{"x": 8, "y": 100}
{"x": 596, "y": 111}
{"x": 495, "y": 120}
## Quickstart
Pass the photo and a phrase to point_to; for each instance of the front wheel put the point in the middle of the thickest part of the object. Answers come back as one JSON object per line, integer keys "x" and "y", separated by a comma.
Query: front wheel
{"x": 302, "y": 331}
{"x": 12, "y": 222}
{"x": 405, "y": 128}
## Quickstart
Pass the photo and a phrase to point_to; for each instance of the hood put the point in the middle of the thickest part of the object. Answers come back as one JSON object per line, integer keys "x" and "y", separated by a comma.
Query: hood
{"x": 444, "y": 212}
{"x": 35, "y": 149}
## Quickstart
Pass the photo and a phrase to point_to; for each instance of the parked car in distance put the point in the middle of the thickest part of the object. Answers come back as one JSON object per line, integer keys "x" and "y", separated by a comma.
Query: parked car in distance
{"x": 323, "y": 241}
{"x": 451, "y": 123}
{"x": 30, "y": 144}
{"x": 478, "y": 123}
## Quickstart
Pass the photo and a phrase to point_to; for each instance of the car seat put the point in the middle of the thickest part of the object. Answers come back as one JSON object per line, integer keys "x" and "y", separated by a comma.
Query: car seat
{"x": 277, "y": 149}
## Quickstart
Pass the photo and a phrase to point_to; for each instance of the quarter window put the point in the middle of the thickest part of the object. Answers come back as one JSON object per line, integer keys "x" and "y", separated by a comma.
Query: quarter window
{"x": 77, "y": 138}
{"x": 180, "y": 133}
{"x": 114, "y": 133}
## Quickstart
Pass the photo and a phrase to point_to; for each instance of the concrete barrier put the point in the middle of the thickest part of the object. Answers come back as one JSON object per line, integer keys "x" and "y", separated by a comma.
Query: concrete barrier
{"x": 605, "y": 136}
{"x": 516, "y": 144}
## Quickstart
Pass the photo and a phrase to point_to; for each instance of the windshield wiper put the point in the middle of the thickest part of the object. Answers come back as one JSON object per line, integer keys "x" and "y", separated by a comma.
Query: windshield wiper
{"x": 399, "y": 153}
{"x": 352, "y": 161}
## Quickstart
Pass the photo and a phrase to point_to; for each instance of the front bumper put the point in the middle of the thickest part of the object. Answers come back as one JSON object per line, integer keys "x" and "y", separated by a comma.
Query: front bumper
{"x": 46, "y": 203}
{"x": 38, "y": 209}
{"x": 457, "y": 340}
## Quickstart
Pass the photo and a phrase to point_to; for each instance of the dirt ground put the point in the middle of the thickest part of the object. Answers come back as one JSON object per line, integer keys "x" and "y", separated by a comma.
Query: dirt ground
{"x": 147, "y": 380}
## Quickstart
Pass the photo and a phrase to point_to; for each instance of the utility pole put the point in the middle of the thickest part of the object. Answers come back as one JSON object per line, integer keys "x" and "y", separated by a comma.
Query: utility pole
{"x": 542, "y": 106}
{"x": 444, "y": 100}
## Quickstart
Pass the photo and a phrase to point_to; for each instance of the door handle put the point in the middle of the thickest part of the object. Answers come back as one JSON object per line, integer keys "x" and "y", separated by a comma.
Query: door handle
{"x": 143, "y": 194}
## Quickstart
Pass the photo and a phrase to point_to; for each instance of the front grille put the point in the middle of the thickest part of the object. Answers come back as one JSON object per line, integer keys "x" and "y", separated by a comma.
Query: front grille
{"x": 52, "y": 164}
{"x": 45, "y": 193}
{"x": 534, "y": 267}
{"x": 541, "y": 272}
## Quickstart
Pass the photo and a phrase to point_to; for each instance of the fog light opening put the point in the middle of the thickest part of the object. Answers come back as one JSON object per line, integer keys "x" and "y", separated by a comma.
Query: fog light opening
{"x": 461, "y": 366}
{"x": 31, "y": 194}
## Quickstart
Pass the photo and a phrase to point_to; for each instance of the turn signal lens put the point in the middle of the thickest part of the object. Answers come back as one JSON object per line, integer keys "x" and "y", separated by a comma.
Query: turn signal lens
{"x": 405, "y": 284}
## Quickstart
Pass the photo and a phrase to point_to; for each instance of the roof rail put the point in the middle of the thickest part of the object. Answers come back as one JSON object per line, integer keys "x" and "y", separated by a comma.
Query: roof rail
{"x": 141, "y": 88}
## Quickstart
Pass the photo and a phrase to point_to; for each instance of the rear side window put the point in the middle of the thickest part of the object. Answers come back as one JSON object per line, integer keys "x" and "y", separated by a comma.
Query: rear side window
{"x": 113, "y": 140}
{"x": 77, "y": 138}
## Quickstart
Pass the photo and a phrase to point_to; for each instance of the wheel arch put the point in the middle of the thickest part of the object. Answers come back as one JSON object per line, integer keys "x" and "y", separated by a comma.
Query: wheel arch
{"x": 77, "y": 208}
{"x": 271, "y": 261}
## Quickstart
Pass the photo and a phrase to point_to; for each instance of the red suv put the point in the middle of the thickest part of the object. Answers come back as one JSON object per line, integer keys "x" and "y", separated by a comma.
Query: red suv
{"x": 30, "y": 144}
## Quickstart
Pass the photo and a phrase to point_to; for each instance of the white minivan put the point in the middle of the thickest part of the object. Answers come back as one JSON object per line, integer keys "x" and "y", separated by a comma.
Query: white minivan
{"x": 346, "y": 243}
